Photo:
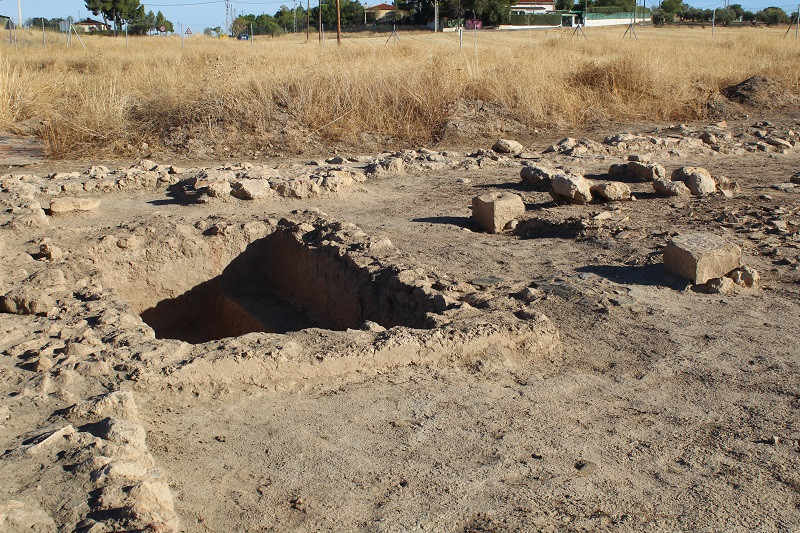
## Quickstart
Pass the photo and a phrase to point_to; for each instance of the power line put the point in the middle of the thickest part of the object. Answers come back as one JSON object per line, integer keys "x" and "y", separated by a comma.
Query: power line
{"x": 188, "y": 4}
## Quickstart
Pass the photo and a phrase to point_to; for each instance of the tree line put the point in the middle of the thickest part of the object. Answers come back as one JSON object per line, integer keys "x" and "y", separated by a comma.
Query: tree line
{"x": 674, "y": 10}
{"x": 131, "y": 13}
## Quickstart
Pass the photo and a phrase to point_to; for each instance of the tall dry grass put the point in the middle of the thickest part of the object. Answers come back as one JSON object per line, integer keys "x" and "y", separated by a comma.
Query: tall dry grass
{"x": 109, "y": 98}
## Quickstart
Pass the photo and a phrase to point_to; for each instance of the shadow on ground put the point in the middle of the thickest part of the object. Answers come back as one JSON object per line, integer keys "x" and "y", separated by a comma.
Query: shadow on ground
{"x": 648, "y": 275}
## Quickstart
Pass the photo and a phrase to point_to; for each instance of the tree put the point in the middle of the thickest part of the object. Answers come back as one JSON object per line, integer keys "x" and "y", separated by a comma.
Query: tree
{"x": 772, "y": 16}
{"x": 661, "y": 17}
{"x": 161, "y": 21}
{"x": 352, "y": 13}
{"x": 673, "y": 6}
{"x": 120, "y": 11}
{"x": 564, "y": 5}
{"x": 725, "y": 16}
{"x": 738, "y": 9}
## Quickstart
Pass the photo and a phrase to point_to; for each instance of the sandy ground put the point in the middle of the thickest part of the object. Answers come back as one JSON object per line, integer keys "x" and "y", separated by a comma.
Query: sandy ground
{"x": 668, "y": 410}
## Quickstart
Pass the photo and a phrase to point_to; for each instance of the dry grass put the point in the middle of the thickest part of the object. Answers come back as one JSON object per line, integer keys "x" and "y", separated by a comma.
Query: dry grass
{"x": 250, "y": 96}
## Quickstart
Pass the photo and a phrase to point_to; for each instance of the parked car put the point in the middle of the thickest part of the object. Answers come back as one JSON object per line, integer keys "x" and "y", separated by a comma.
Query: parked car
{"x": 243, "y": 37}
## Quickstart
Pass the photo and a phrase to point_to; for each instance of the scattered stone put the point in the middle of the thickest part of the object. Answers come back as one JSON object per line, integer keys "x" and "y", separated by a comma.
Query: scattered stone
{"x": 27, "y": 301}
{"x": 708, "y": 138}
{"x": 618, "y": 170}
{"x": 745, "y": 277}
{"x": 59, "y": 206}
{"x": 671, "y": 188}
{"x": 577, "y": 189}
{"x": 727, "y": 186}
{"x": 50, "y": 252}
{"x": 98, "y": 171}
{"x": 248, "y": 189}
{"x": 507, "y": 146}
{"x": 786, "y": 187}
{"x": 723, "y": 285}
{"x": 494, "y": 210}
{"x": 701, "y": 256}
{"x": 47, "y": 439}
{"x": 613, "y": 191}
{"x": 795, "y": 178}
{"x": 536, "y": 175}
{"x": 697, "y": 179}
{"x": 645, "y": 171}
{"x": 219, "y": 189}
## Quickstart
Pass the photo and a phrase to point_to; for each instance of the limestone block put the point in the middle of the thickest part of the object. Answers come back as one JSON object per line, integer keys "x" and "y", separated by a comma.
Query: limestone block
{"x": 494, "y": 210}
{"x": 69, "y": 205}
{"x": 612, "y": 191}
{"x": 701, "y": 256}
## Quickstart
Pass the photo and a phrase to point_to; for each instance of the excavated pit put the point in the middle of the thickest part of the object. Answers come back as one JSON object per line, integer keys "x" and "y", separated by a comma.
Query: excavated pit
{"x": 290, "y": 280}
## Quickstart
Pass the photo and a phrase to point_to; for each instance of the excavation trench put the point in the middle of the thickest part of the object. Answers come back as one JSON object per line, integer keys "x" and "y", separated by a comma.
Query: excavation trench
{"x": 283, "y": 283}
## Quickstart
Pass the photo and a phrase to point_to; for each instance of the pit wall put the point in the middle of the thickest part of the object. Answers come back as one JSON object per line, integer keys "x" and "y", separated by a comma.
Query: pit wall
{"x": 337, "y": 281}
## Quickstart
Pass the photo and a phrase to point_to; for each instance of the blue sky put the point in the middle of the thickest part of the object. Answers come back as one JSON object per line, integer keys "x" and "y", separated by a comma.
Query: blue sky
{"x": 199, "y": 14}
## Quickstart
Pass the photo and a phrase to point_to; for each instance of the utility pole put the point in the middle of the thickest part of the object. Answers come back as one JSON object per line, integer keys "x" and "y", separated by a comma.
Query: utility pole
{"x": 308, "y": 20}
{"x": 44, "y": 36}
{"x": 319, "y": 28}
{"x": 19, "y": 13}
{"x": 227, "y": 13}
{"x": 713, "y": 21}
{"x": 435, "y": 16}
{"x": 338, "y": 23}
{"x": 294, "y": 16}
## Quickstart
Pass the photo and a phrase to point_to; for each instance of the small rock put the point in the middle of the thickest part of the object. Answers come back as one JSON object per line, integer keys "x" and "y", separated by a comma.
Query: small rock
{"x": 247, "y": 189}
{"x": 507, "y": 146}
{"x": 536, "y": 175}
{"x": 575, "y": 188}
{"x": 722, "y": 285}
{"x": 219, "y": 189}
{"x": 671, "y": 188}
{"x": 745, "y": 277}
{"x": 697, "y": 179}
{"x": 50, "y": 252}
{"x": 645, "y": 171}
{"x": 613, "y": 191}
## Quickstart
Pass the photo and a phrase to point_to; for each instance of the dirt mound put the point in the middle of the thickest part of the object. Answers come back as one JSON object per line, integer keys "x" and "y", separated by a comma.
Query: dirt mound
{"x": 759, "y": 91}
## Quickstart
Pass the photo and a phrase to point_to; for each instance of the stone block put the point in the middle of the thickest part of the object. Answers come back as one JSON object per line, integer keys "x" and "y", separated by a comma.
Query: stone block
{"x": 701, "y": 256}
{"x": 494, "y": 210}
{"x": 575, "y": 188}
{"x": 60, "y": 206}
{"x": 612, "y": 191}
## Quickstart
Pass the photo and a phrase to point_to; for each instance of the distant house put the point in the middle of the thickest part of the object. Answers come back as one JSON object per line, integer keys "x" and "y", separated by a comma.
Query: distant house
{"x": 526, "y": 7}
{"x": 379, "y": 11}
{"x": 89, "y": 26}
{"x": 5, "y": 22}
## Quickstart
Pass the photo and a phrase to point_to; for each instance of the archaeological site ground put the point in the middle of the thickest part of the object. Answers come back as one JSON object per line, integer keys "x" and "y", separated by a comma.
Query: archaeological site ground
{"x": 534, "y": 284}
